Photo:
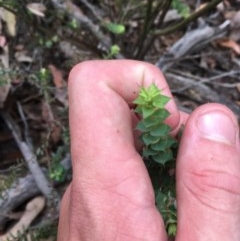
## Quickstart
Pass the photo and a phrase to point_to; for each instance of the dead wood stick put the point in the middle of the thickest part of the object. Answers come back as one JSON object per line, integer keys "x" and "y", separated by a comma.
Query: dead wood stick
{"x": 24, "y": 189}
{"x": 32, "y": 163}
{"x": 197, "y": 91}
{"x": 190, "y": 42}
{"x": 96, "y": 12}
{"x": 33, "y": 208}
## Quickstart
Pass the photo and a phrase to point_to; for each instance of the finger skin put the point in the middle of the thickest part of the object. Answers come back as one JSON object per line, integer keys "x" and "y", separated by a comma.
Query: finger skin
{"x": 111, "y": 196}
{"x": 208, "y": 179}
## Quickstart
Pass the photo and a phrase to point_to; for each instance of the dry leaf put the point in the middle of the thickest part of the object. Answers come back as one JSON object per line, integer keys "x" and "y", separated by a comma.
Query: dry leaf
{"x": 57, "y": 76}
{"x": 235, "y": 21}
{"x": 10, "y": 20}
{"x": 235, "y": 27}
{"x": 230, "y": 44}
{"x": 21, "y": 56}
{"x": 73, "y": 8}
{"x": 37, "y": 9}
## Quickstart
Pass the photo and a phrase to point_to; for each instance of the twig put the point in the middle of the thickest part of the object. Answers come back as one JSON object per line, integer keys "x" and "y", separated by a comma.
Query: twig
{"x": 146, "y": 26}
{"x": 200, "y": 80}
{"x": 33, "y": 208}
{"x": 93, "y": 9}
{"x": 199, "y": 91}
{"x": 165, "y": 7}
{"x": 189, "y": 19}
{"x": 33, "y": 165}
{"x": 26, "y": 127}
{"x": 190, "y": 42}
{"x": 24, "y": 189}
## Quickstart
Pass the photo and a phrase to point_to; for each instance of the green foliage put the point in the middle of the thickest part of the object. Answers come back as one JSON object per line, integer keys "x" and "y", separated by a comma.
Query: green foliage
{"x": 50, "y": 42}
{"x": 114, "y": 50}
{"x": 7, "y": 180}
{"x": 73, "y": 24}
{"x": 157, "y": 143}
{"x": 181, "y": 7}
{"x": 3, "y": 77}
{"x": 115, "y": 28}
{"x": 158, "y": 151}
{"x": 56, "y": 170}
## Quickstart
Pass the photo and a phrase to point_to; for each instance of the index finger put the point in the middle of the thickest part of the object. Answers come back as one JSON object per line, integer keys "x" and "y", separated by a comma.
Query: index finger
{"x": 125, "y": 77}
{"x": 100, "y": 93}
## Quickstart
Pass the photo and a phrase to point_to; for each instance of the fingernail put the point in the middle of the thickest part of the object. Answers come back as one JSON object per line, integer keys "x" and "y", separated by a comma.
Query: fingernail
{"x": 217, "y": 126}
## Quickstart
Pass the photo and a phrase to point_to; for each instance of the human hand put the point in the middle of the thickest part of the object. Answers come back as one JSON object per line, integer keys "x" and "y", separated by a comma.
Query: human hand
{"x": 111, "y": 197}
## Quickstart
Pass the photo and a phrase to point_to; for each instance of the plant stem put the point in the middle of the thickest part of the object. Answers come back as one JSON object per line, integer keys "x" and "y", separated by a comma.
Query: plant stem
{"x": 165, "y": 9}
{"x": 146, "y": 26}
{"x": 189, "y": 19}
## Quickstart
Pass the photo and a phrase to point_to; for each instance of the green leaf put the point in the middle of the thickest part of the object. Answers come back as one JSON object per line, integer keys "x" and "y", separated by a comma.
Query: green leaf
{"x": 170, "y": 142}
{"x": 181, "y": 7}
{"x": 139, "y": 101}
{"x": 158, "y": 117}
{"x": 142, "y": 127}
{"x": 115, "y": 28}
{"x": 114, "y": 50}
{"x": 151, "y": 122}
{"x": 172, "y": 230}
{"x": 163, "y": 157}
{"x": 146, "y": 112}
{"x": 148, "y": 139}
{"x": 163, "y": 144}
{"x": 159, "y": 146}
{"x": 160, "y": 101}
{"x": 148, "y": 152}
{"x": 160, "y": 130}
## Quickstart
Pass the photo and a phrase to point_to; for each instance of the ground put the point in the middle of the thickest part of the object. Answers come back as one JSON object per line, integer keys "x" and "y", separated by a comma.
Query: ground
{"x": 40, "y": 42}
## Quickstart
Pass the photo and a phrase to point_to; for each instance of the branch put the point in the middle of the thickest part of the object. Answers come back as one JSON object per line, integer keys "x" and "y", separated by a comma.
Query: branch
{"x": 23, "y": 189}
{"x": 190, "y": 42}
{"x": 189, "y": 19}
{"x": 33, "y": 208}
{"x": 32, "y": 163}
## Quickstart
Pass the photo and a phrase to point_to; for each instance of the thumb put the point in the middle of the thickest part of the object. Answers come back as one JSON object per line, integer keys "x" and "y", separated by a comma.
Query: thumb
{"x": 208, "y": 176}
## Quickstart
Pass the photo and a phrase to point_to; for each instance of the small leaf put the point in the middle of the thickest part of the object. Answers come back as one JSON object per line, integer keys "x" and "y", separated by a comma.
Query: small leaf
{"x": 148, "y": 139}
{"x": 139, "y": 101}
{"x": 160, "y": 130}
{"x": 159, "y": 146}
{"x": 162, "y": 145}
{"x": 162, "y": 157}
{"x": 37, "y": 9}
{"x": 160, "y": 101}
{"x": 158, "y": 117}
{"x": 172, "y": 229}
{"x": 141, "y": 127}
{"x": 115, "y": 49}
{"x": 146, "y": 112}
{"x": 147, "y": 152}
{"x": 151, "y": 122}
{"x": 115, "y": 28}
{"x": 170, "y": 142}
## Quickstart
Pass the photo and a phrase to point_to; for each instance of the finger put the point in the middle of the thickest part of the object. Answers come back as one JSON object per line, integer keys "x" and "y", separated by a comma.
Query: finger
{"x": 104, "y": 88}
{"x": 105, "y": 161}
{"x": 208, "y": 180}
{"x": 64, "y": 219}
{"x": 125, "y": 77}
